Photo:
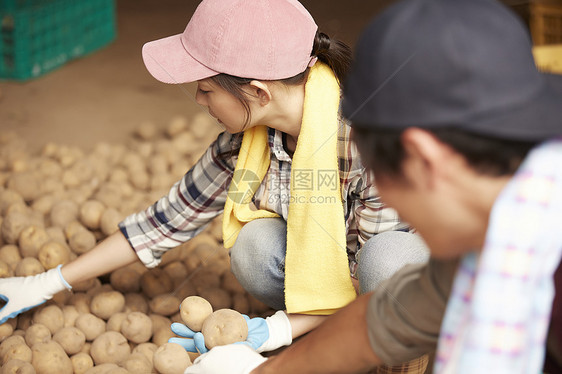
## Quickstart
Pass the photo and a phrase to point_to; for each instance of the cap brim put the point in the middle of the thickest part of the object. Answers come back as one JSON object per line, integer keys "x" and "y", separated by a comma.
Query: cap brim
{"x": 169, "y": 62}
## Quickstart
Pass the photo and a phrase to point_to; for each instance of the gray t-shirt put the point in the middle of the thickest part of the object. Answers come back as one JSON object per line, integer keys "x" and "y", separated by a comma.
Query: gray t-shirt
{"x": 405, "y": 312}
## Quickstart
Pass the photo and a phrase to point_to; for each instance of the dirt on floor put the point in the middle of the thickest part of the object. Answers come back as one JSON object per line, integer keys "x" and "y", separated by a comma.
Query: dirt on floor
{"x": 106, "y": 95}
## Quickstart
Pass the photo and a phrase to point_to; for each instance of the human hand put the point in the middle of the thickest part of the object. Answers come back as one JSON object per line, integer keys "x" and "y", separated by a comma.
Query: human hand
{"x": 263, "y": 334}
{"x": 232, "y": 359}
{"x": 192, "y": 341}
{"x": 24, "y": 293}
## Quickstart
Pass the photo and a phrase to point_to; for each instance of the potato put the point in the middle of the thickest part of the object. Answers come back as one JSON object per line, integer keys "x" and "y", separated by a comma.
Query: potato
{"x": 17, "y": 351}
{"x": 165, "y": 305}
{"x": 109, "y": 221}
{"x": 106, "y": 369}
{"x": 10, "y": 254}
{"x": 52, "y": 254}
{"x": 176, "y": 125}
{"x": 5, "y": 270}
{"x": 135, "y": 302}
{"x": 28, "y": 266}
{"x": 8, "y": 343}
{"x": 6, "y": 330}
{"x": 156, "y": 282}
{"x": 56, "y": 234}
{"x": 82, "y": 241}
{"x": 81, "y": 302}
{"x": 90, "y": 325}
{"x": 70, "y": 313}
{"x": 31, "y": 239}
{"x": 13, "y": 224}
{"x": 110, "y": 347}
{"x": 25, "y": 320}
{"x": 81, "y": 362}
{"x": 90, "y": 214}
{"x": 7, "y": 198}
{"x": 63, "y": 212}
{"x": 125, "y": 280}
{"x": 26, "y": 184}
{"x": 51, "y": 316}
{"x": 205, "y": 278}
{"x": 71, "y": 339}
{"x": 185, "y": 289}
{"x": 176, "y": 270}
{"x": 161, "y": 336}
{"x": 171, "y": 358}
{"x": 194, "y": 311}
{"x": 44, "y": 203}
{"x": 147, "y": 350}
{"x": 105, "y": 304}
{"x": 137, "y": 363}
{"x": 37, "y": 333}
{"x": 49, "y": 358}
{"x": 224, "y": 326}
{"x": 15, "y": 366}
{"x": 219, "y": 298}
{"x": 137, "y": 327}
{"x": 115, "y": 322}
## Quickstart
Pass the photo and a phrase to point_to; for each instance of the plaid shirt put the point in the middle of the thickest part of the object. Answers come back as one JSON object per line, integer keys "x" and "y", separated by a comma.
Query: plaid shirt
{"x": 200, "y": 196}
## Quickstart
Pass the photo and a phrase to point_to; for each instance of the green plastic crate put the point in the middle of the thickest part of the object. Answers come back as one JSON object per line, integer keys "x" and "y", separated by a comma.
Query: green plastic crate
{"x": 38, "y": 36}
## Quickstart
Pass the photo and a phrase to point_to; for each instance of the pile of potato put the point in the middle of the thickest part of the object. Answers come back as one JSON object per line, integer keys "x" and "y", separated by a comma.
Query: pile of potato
{"x": 57, "y": 205}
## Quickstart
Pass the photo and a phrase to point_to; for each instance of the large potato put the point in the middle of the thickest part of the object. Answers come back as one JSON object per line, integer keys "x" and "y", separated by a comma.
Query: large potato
{"x": 110, "y": 347}
{"x": 37, "y": 333}
{"x": 156, "y": 282}
{"x": 224, "y": 326}
{"x": 194, "y": 310}
{"x": 90, "y": 325}
{"x": 50, "y": 358}
{"x": 81, "y": 363}
{"x": 137, "y": 327}
{"x": 16, "y": 366}
{"x": 106, "y": 304}
{"x": 71, "y": 339}
{"x": 51, "y": 254}
{"x": 171, "y": 358}
{"x": 165, "y": 305}
{"x": 17, "y": 351}
{"x": 125, "y": 280}
{"x": 51, "y": 316}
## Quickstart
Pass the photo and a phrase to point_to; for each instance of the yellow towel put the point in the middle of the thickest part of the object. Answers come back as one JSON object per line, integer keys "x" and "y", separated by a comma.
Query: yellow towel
{"x": 549, "y": 58}
{"x": 317, "y": 279}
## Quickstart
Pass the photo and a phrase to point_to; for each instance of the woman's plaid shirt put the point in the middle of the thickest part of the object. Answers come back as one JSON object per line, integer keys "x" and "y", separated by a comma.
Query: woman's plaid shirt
{"x": 200, "y": 196}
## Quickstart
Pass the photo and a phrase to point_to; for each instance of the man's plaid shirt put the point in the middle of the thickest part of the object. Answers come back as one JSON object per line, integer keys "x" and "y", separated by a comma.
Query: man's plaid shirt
{"x": 200, "y": 196}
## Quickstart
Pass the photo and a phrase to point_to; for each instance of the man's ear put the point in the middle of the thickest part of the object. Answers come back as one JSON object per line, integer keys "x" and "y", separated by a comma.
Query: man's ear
{"x": 425, "y": 157}
{"x": 261, "y": 91}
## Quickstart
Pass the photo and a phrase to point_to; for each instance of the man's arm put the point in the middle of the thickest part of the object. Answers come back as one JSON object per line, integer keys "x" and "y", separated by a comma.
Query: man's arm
{"x": 322, "y": 351}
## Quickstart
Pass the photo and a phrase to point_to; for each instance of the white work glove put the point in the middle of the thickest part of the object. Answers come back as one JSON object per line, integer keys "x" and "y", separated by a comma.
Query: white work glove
{"x": 231, "y": 359}
{"x": 269, "y": 334}
{"x": 24, "y": 293}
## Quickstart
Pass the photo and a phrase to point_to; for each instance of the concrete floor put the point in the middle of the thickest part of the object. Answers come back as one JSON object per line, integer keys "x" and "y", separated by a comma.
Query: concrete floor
{"x": 104, "y": 96}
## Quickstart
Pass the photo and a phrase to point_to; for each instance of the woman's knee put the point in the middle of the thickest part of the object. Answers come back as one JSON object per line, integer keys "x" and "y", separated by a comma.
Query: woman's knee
{"x": 386, "y": 253}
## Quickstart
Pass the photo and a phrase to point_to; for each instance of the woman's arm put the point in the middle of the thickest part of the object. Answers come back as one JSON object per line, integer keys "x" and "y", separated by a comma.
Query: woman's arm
{"x": 111, "y": 254}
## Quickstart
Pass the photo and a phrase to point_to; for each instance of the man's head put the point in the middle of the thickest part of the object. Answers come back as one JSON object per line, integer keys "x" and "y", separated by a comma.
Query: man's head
{"x": 446, "y": 101}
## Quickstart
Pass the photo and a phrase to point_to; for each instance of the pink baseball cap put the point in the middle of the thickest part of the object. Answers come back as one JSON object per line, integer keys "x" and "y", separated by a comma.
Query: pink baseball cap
{"x": 261, "y": 39}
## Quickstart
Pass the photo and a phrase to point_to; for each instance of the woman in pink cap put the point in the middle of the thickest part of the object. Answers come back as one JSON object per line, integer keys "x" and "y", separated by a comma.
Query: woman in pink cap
{"x": 305, "y": 227}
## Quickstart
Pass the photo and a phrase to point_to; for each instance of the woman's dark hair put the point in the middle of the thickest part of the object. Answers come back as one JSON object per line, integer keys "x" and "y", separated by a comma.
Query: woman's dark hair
{"x": 334, "y": 53}
{"x": 382, "y": 150}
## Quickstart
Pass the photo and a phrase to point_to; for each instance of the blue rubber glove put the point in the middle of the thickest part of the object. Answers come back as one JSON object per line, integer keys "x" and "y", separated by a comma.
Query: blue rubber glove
{"x": 24, "y": 293}
{"x": 263, "y": 334}
{"x": 192, "y": 341}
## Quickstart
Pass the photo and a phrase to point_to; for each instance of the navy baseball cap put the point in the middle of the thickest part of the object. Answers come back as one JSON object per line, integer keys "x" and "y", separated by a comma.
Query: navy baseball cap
{"x": 464, "y": 64}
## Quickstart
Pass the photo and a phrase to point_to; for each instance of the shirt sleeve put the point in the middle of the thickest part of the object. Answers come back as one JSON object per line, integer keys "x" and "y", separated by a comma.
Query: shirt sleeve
{"x": 372, "y": 215}
{"x": 405, "y": 312}
{"x": 189, "y": 206}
